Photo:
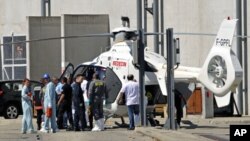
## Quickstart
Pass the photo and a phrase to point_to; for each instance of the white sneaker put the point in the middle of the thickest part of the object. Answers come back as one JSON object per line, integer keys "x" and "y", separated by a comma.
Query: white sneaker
{"x": 96, "y": 127}
{"x": 44, "y": 130}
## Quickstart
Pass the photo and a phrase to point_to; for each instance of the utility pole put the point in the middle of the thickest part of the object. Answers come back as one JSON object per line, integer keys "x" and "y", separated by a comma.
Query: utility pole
{"x": 156, "y": 25}
{"x": 141, "y": 63}
{"x": 162, "y": 26}
{"x": 170, "y": 122}
{"x": 239, "y": 98}
{"x": 245, "y": 54}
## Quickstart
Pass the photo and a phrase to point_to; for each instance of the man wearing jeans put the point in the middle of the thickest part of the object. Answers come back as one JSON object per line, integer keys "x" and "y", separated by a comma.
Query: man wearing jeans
{"x": 132, "y": 96}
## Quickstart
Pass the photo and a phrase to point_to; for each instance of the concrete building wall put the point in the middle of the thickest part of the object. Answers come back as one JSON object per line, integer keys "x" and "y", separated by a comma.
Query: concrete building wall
{"x": 13, "y": 15}
{"x": 114, "y": 8}
{"x": 184, "y": 16}
{"x": 197, "y": 16}
{"x": 79, "y": 50}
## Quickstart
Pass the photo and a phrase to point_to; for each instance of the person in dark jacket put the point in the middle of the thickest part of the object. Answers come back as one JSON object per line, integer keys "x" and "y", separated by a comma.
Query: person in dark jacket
{"x": 38, "y": 100}
{"x": 97, "y": 91}
{"x": 64, "y": 104}
{"x": 78, "y": 103}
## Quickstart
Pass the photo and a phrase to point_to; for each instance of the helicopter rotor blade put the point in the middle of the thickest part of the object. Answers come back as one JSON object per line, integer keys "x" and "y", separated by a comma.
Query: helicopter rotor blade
{"x": 56, "y": 38}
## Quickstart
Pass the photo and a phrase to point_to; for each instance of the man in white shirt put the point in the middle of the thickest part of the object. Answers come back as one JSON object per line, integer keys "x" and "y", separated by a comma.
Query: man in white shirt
{"x": 84, "y": 85}
{"x": 132, "y": 96}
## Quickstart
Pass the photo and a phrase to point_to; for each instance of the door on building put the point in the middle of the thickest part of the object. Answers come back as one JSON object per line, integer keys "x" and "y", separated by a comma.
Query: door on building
{"x": 194, "y": 103}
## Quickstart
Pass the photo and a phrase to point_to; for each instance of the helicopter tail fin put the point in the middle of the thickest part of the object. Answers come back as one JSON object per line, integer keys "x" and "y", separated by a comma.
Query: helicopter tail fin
{"x": 222, "y": 71}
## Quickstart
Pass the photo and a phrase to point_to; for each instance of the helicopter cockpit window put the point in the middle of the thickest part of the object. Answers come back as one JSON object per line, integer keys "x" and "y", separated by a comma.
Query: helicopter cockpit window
{"x": 123, "y": 36}
{"x": 99, "y": 70}
{"x": 130, "y": 36}
{"x": 88, "y": 71}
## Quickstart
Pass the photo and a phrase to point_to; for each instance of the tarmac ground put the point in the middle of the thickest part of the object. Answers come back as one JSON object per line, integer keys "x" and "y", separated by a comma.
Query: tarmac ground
{"x": 195, "y": 128}
{"x": 192, "y": 128}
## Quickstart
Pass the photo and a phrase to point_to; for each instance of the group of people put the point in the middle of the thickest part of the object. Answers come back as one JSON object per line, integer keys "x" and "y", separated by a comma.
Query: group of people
{"x": 59, "y": 98}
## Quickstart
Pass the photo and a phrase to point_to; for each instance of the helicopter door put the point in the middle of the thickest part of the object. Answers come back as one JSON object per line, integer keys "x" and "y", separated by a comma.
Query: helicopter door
{"x": 113, "y": 85}
{"x": 68, "y": 72}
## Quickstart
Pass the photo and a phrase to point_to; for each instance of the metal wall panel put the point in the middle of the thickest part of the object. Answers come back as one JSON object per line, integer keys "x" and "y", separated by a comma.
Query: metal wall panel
{"x": 45, "y": 56}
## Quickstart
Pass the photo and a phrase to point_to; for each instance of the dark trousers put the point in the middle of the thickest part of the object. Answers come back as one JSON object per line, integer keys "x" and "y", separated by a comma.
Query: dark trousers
{"x": 132, "y": 110}
{"x": 79, "y": 116}
{"x": 90, "y": 118}
{"x": 39, "y": 118}
{"x": 179, "y": 110}
{"x": 64, "y": 107}
{"x": 98, "y": 110}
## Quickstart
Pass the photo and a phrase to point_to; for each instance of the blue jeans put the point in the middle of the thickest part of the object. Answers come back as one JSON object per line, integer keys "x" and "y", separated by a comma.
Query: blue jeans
{"x": 132, "y": 110}
{"x": 51, "y": 121}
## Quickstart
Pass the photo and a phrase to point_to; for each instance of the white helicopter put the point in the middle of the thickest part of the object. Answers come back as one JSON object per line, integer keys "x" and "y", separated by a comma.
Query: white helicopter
{"x": 221, "y": 72}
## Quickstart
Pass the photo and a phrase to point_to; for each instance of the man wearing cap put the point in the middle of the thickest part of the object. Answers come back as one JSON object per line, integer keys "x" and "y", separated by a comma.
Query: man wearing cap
{"x": 49, "y": 103}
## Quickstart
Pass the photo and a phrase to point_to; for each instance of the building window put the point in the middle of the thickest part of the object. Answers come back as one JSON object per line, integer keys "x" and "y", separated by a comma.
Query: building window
{"x": 13, "y": 62}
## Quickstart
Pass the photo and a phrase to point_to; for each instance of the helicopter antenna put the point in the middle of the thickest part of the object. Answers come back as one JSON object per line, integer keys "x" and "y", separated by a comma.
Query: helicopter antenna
{"x": 125, "y": 21}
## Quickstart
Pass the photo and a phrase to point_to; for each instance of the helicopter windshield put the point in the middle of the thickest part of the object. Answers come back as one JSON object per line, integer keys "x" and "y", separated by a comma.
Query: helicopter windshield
{"x": 124, "y": 36}
{"x": 88, "y": 71}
